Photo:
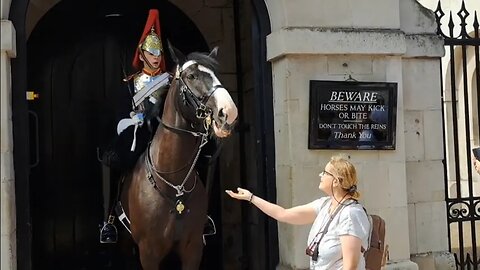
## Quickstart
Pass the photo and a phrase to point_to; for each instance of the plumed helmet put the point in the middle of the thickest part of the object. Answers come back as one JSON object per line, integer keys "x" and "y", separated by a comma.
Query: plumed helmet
{"x": 150, "y": 41}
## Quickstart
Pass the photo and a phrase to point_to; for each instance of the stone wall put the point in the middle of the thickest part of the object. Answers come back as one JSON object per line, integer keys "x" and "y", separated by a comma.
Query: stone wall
{"x": 398, "y": 44}
{"x": 7, "y": 188}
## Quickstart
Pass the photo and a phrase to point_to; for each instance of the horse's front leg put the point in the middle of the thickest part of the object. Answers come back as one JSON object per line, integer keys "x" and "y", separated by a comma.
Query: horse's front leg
{"x": 191, "y": 253}
{"x": 150, "y": 255}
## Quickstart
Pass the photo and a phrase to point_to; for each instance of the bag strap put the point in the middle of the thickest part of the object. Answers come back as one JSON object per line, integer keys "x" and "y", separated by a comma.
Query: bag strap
{"x": 337, "y": 210}
{"x": 370, "y": 220}
{"x": 325, "y": 230}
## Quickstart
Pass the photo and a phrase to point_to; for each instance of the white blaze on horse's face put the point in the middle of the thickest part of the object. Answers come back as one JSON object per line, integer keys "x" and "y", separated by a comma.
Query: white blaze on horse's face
{"x": 224, "y": 110}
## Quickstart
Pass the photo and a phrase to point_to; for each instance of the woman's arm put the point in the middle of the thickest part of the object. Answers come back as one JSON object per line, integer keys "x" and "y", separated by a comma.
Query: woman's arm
{"x": 299, "y": 215}
{"x": 351, "y": 251}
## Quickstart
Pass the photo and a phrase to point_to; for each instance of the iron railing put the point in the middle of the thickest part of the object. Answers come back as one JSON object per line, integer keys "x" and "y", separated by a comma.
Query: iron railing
{"x": 463, "y": 205}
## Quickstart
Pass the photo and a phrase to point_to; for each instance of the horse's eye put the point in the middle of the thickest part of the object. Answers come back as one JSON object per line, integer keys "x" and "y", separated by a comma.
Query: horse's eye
{"x": 190, "y": 77}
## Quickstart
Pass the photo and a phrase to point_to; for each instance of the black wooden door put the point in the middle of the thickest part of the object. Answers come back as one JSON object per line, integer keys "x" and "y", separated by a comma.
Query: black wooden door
{"x": 77, "y": 73}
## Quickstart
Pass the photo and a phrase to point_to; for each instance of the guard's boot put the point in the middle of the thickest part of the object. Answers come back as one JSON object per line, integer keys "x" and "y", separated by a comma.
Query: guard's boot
{"x": 109, "y": 233}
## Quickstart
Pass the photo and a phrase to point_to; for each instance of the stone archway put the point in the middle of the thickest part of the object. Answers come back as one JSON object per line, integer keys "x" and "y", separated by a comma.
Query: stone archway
{"x": 256, "y": 79}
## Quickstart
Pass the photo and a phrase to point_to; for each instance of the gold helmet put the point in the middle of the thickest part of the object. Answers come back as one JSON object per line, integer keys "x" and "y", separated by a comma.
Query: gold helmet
{"x": 152, "y": 43}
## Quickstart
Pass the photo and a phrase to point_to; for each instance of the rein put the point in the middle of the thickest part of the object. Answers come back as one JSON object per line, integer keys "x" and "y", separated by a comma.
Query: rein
{"x": 207, "y": 122}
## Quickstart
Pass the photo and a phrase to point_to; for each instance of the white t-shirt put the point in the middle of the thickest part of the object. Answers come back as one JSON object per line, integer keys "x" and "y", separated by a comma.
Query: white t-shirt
{"x": 351, "y": 220}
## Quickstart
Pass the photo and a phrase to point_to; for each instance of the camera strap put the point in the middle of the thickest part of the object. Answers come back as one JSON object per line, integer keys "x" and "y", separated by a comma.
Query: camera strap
{"x": 324, "y": 231}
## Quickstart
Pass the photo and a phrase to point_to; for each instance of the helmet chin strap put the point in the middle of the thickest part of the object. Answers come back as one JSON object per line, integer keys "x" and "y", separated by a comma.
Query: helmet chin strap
{"x": 145, "y": 60}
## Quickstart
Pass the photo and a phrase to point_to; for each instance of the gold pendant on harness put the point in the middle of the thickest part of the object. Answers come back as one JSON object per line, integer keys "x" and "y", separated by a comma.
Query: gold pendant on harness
{"x": 180, "y": 207}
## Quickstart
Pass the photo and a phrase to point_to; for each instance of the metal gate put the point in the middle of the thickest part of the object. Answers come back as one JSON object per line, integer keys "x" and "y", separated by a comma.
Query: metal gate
{"x": 460, "y": 71}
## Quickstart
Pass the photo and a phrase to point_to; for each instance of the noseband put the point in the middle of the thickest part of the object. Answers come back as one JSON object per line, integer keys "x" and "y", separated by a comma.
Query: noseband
{"x": 198, "y": 103}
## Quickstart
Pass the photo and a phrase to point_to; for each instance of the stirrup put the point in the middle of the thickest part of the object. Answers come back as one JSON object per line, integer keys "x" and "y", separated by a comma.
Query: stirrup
{"x": 109, "y": 232}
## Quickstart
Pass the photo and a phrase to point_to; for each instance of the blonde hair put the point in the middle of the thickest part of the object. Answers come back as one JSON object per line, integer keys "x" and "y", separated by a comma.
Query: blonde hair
{"x": 346, "y": 174}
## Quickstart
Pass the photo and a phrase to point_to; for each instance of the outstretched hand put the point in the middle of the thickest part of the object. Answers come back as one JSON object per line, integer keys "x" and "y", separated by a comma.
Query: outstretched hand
{"x": 242, "y": 194}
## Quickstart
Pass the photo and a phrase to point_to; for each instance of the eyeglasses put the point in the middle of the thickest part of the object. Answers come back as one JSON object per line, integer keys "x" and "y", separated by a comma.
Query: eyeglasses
{"x": 327, "y": 173}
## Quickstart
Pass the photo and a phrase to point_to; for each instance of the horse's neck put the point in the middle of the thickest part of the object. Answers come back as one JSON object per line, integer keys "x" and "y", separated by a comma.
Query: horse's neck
{"x": 171, "y": 149}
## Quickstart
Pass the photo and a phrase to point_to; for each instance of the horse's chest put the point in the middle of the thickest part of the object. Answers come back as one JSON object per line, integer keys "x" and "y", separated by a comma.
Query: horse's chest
{"x": 157, "y": 200}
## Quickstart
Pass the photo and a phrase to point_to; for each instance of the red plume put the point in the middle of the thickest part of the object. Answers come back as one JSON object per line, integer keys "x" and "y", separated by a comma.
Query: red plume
{"x": 152, "y": 20}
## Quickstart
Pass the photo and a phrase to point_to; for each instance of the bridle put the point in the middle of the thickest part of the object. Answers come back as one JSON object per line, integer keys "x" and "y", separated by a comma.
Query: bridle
{"x": 198, "y": 103}
{"x": 203, "y": 113}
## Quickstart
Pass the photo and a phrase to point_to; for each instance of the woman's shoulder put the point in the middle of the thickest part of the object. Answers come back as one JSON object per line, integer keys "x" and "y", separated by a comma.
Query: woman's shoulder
{"x": 354, "y": 221}
{"x": 320, "y": 203}
{"x": 354, "y": 210}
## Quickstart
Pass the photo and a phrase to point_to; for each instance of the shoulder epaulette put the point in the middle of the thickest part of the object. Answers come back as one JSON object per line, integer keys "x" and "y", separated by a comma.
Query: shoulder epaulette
{"x": 129, "y": 77}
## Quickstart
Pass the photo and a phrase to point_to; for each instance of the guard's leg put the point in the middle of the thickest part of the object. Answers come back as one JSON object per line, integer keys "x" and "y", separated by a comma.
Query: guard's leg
{"x": 109, "y": 232}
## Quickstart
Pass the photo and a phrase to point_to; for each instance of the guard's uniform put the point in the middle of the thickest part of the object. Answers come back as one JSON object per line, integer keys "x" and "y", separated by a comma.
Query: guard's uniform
{"x": 135, "y": 131}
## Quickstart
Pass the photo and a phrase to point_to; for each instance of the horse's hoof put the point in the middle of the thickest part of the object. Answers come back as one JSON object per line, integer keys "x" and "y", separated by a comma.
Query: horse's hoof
{"x": 108, "y": 234}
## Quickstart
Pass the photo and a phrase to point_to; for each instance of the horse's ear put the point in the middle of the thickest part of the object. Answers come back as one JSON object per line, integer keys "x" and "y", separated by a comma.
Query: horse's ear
{"x": 177, "y": 56}
{"x": 214, "y": 52}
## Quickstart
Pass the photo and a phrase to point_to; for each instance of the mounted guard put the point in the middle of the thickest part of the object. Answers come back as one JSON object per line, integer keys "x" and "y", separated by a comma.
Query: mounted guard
{"x": 150, "y": 84}
{"x": 164, "y": 202}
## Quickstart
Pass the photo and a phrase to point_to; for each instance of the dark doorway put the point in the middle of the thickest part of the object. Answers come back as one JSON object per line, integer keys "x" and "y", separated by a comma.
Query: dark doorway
{"x": 78, "y": 54}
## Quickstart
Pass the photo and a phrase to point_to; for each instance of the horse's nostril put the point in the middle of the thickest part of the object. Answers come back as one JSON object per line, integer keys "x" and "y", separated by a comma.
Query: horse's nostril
{"x": 222, "y": 115}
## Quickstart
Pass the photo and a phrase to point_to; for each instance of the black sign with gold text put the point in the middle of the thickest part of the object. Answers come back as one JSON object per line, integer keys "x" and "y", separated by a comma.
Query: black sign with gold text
{"x": 352, "y": 115}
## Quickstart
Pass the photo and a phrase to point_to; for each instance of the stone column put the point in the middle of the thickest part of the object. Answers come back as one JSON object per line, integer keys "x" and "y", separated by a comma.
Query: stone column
{"x": 375, "y": 40}
{"x": 423, "y": 132}
{"x": 8, "y": 210}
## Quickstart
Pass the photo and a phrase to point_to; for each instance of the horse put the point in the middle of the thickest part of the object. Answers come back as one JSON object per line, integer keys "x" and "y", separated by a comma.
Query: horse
{"x": 163, "y": 197}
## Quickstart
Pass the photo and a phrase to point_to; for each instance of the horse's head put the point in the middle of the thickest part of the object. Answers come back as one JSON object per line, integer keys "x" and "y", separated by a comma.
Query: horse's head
{"x": 203, "y": 92}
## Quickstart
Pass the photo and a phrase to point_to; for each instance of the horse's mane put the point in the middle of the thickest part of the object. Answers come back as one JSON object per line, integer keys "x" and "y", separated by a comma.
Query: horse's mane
{"x": 204, "y": 60}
